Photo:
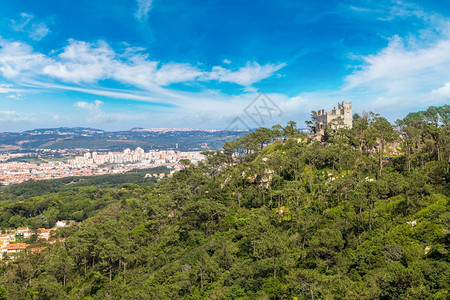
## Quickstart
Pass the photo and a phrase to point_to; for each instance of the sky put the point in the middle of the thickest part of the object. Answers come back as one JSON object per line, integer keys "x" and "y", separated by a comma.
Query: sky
{"x": 217, "y": 64}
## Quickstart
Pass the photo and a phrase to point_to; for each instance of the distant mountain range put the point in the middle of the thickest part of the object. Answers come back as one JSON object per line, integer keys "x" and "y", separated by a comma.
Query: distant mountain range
{"x": 98, "y": 139}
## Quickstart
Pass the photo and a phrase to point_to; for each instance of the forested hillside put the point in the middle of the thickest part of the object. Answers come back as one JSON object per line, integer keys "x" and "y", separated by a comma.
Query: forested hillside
{"x": 362, "y": 214}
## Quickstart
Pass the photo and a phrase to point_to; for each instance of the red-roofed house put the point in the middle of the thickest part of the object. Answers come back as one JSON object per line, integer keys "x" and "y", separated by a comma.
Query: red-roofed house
{"x": 44, "y": 233}
{"x": 61, "y": 223}
{"x": 22, "y": 229}
{"x": 11, "y": 249}
{"x": 15, "y": 247}
{"x": 37, "y": 249}
{"x": 25, "y": 231}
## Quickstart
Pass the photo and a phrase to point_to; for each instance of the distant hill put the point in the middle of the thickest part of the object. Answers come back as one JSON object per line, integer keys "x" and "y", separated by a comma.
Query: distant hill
{"x": 66, "y": 130}
{"x": 97, "y": 139}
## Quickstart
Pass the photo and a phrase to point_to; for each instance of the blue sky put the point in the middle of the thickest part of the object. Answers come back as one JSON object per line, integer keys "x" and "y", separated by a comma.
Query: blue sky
{"x": 119, "y": 64}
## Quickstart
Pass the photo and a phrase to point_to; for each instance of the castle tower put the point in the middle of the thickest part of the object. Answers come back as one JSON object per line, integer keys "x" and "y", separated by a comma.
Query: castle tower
{"x": 347, "y": 112}
{"x": 343, "y": 111}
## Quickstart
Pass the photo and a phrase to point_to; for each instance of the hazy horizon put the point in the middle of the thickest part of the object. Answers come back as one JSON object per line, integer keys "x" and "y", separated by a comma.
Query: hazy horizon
{"x": 131, "y": 129}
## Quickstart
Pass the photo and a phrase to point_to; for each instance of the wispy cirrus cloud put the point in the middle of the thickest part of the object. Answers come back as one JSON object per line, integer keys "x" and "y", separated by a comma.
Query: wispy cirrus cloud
{"x": 14, "y": 93}
{"x": 143, "y": 9}
{"x": 96, "y": 115}
{"x": 39, "y": 31}
{"x": 247, "y": 75}
{"x": 6, "y": 88}
{"x": 16, "y": 96}
{"x": 36, "y": 30}
{"x": 11, "y": 116}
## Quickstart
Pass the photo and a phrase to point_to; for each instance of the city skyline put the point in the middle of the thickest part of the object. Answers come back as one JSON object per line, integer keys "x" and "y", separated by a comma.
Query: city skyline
{"x": 117, "y": 65}
{"x": 91, "y": 164}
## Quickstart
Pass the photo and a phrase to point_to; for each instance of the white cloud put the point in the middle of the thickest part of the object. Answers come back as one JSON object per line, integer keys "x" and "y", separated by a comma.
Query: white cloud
{"x": 35, "y": 30}
{"x": 39, "y": 31}
{"x": 144, "y": 7}
{"x": 81, "y": 66}
{"x": 411, "y": 72}
{"x": 5, "y": 88}
{"x": 362, "y": 9}
{"x": 16, "y": 96}
{"x": 18, "y": 60}
{"x": 443, "y": 91}
{"x": 91, "y": 107}
{"x": 20, "y": 24}
{"x": 400, "y": 69}
{"x": 83, "y": 62}
{"x": 295, "y": 104}
{"x": 251, "y": 73}
{"x": 88, "y": 63}
{"x": 96, "y": 115}
{"x": 173, "y": 72}
{"x": 11, "y": 116}
{"x": 112, "y": 93}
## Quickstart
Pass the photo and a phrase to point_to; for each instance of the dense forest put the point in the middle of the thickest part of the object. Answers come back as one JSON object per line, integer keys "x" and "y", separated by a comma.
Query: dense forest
{"x": 362, "y": 213}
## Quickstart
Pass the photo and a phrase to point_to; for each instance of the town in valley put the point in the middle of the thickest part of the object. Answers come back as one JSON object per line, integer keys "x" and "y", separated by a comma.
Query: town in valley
{"x": 91, "y": 164}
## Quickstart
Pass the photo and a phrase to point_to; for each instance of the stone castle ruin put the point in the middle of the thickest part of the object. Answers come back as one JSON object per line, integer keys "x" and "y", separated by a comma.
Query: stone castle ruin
{"x": 322, "y": 118}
